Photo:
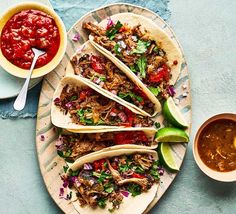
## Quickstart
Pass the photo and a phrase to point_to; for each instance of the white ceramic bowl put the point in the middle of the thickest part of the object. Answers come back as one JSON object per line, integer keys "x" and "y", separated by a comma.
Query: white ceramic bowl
{"x": 19, "y": 72}
{"x": 219, "y": 176}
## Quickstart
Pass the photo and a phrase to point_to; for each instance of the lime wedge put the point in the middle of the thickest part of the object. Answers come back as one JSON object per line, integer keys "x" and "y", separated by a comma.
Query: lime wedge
{"x": 166, "y": 158}
{"x": 171, "y": 134}
{"x": 173, "y": 115}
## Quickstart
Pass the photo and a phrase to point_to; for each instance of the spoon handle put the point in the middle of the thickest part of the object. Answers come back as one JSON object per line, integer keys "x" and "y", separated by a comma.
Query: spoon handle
{"x": 20, "y": 101}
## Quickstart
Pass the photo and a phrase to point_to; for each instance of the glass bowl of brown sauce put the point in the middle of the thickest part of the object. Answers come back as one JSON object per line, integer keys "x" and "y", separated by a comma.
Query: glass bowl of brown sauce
{"x": 214, "y": 147}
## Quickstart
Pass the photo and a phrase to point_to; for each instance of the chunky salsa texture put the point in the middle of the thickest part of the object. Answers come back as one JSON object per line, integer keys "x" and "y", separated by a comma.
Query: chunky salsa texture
{"x": 26, "y": 30}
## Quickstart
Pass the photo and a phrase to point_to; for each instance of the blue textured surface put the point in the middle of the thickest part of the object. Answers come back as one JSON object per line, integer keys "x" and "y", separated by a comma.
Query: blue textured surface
{"x": 206, "y": 30}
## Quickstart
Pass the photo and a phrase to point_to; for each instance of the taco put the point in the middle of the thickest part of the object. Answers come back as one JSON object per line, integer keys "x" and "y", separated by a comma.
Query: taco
{"x": 119, "y": 181}
{"x": 72, "y": 146}
{"x": 79, "y": 106}
{"x": 142, "y": 48}
{"x": 108, "y": 78}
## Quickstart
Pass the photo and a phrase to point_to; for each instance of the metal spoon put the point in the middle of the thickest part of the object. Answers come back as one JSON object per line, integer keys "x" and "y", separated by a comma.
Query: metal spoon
{"x": 20, "y": 101}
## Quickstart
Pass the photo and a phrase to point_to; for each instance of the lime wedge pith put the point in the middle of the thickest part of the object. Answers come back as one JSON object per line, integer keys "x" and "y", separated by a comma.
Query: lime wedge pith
{"x": 171, "y": 134}
{"x": 173, "y": 115}
{"x": 166, "y": 158}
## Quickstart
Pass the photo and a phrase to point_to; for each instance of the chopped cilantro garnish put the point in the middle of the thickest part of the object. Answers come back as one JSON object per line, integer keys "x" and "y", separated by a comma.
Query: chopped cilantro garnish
{"x": 141, "y": 47}
{"x": 129, "y": 96}
{"x": 102, "y": 176}
{"x": 124, "y": 168}
{"x": 102, "y": 202}
{"x": 81, "y": 113}
{"x": 117, "y": 49}
{"x": 65, "y": 168}
{"x": 154, "y": 170}
{"x": 154, "y": 90}
{"x": 113, "y": 30}
{"x": 134, "y": 189}
{"x": 132, "y": 68}
{"x": 73, "y": 98}
{"x": 64, "y": 154}
{"x": 139, "y": 169}
{"x": 102, "y": 78}
{"x": 73, "y": 173}
{"x": 157, "y": 125}
{"x": 142, "y": 64}
{"x": 109, "y": 188}
{"x": 156, "y": 49}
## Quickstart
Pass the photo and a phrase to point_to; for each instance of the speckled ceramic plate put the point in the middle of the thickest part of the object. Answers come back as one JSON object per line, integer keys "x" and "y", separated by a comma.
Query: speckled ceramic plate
{"x": 51, "y": 165}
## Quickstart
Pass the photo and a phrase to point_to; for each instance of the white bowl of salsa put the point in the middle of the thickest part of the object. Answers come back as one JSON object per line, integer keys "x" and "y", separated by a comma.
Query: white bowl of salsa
{"x": 214, "y": 147}
{"x": 27, "y": 25}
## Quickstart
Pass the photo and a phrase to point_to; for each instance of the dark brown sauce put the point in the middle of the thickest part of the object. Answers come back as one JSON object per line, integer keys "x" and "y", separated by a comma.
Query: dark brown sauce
{"x": 217, "y": 145}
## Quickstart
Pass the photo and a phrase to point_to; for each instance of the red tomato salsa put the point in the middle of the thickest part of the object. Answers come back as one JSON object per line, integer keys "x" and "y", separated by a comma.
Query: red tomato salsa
{"x": 28, "y": 29}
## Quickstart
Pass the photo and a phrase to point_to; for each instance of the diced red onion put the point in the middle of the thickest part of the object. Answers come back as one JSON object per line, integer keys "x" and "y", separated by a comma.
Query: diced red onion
{"x": 80, "y": 49}
{"x": 161, "y": 172}
{"x": 134, "y": 38}
{"x": 110, "y": 23}
{"x": 57, "y": 101}
{"x": 119, "y": 36}
{"x": 76, "y": 37}
{"x": 122, "y": 116}
{"x": 113, "y": 114}
{"x": 88, "y": 166}
{"x": 59, "y": 141}
{"x": 150, "y": 157}
{"x": 138, "y": 125}
{"x": 150, "y": 105}
{"x": 42, "y": 137}
{"x": 95, "y": 197}
{"x": 101, "y": 84}
{"x": 61, "y": 194}
{"x": 116, "y": 159}
{"x": 96, "y": 80}
{"x": 122, "y": 44}
{"x": 68, "y": 105}
{"x": 171, "y": 90}
{"x": 124, "y": 193}
{"x": 114, "y": 92}
{"x": 65, "y": 183}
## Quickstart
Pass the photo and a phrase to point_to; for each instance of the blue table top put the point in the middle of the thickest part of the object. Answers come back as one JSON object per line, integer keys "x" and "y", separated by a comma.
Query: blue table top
{"x": 206, "y": 30}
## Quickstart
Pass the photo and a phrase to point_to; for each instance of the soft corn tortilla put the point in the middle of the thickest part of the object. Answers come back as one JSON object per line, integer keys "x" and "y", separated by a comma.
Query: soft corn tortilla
{"x": 134, "y": 205}
{"x": 64, "y": 121}
{"x": 156, "y": 33}
{"x": 87, "y": 48}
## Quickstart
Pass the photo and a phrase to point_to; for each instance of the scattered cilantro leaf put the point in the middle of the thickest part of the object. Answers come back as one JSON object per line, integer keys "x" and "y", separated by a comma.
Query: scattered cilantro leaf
{"x": 102, "y": 78}
{"x": 73, "y": 98}
{"x": 154, "y": 170}
{"x": 102, "y": 202}
{"x": 134, "y": 189}
{"x": 132, "y": 68}
{"x": 154, "y": 90}
{"x": 141, "y": 47}
{"x": 128, "y": 96}
{"x": 157, "y": 125}
{"x": 117, "y": 49}
{"x": 113, "y": 30}
{"x": 142, "y": 65}
{"x": 65, "y": 168}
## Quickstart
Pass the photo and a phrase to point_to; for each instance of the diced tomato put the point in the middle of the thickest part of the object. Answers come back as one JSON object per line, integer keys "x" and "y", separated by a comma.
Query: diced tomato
{"x": 139, "y": 92}
{"x": 114, "y": 165}
{"x": 130, "y": 116}
{"x": 130, "y": 138}
{"x": 99, "y": 164}
{"x": 96, "y": 64}
{"x": 85, "y": 93}
{"x": 122, "y": 29}
{"x": 163, "y": 74}
{"x": 136, "y": 175}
